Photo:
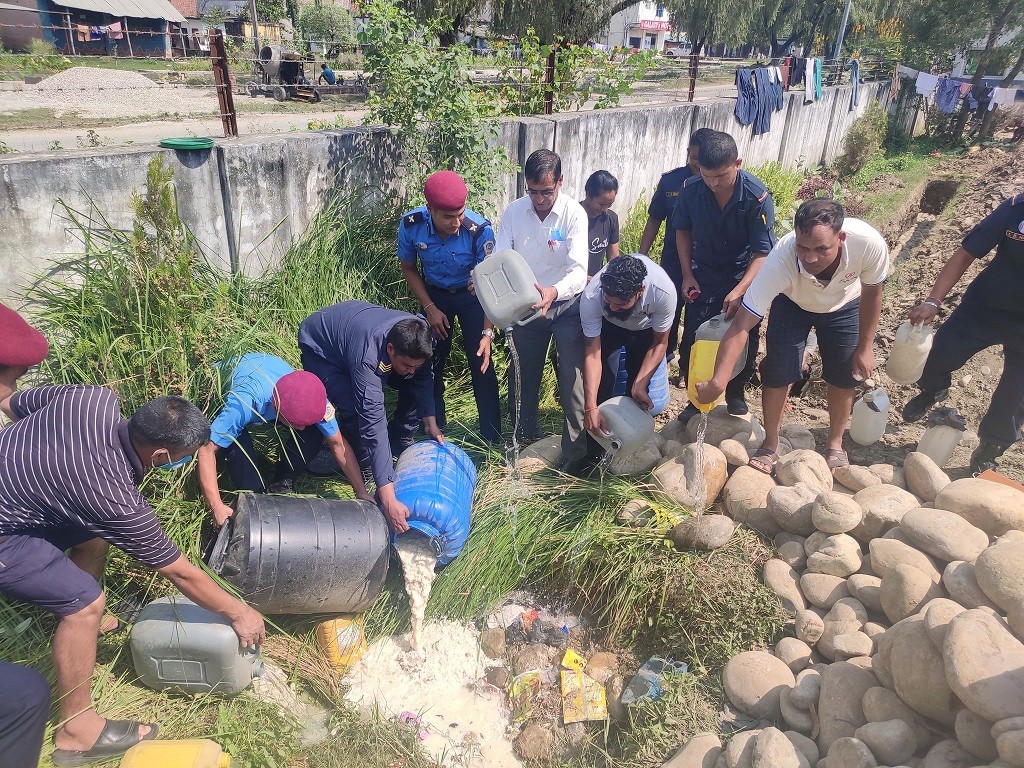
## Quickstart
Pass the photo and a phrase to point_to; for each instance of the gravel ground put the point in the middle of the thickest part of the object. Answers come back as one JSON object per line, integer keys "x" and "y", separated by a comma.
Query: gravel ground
{"x": 94, "y": 93}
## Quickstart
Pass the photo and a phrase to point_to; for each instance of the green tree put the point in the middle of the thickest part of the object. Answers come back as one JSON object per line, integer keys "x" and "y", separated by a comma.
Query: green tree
{"x": 706, "y": 22}
{"x": 325, "y": 22}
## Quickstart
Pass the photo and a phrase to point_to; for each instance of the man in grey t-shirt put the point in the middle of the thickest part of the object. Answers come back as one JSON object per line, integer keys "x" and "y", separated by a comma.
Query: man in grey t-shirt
{"x": 630, "y": 303}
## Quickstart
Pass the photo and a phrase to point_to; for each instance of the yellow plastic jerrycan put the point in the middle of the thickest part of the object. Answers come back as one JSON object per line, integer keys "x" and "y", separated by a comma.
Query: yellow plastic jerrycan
{"x": 342, "y": 640}
{"x": 703, "y": 354}
{"x": 187, "y": 753}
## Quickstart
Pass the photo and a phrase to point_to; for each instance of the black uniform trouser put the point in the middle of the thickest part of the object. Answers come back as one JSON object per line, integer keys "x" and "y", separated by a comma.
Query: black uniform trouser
{"x": 298, "y": 449}
{"x": 965, "y": 333}
{"x": 704, "y": 308}
{"x": 24, "y": 710}
{"x": 637, "y": 344}
{"x": 673, "y": 270}
{"x": 465, "y": 307}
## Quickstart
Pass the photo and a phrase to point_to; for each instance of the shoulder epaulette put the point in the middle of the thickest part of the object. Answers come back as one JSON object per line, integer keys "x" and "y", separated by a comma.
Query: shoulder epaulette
{"x": 692, "y": 180}
{"x": 414, "y": 217}
{"x": 475, "y": 228}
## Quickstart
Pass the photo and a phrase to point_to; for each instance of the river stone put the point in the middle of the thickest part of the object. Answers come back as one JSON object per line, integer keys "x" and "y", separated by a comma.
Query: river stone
{"x": 975, "y": 735}
{"x": 872, "y": 628}
{"x": 701, "y": 751}
{"x": 680, "y": 479}
{"x": 918, "y": 672}
{"x": 745, "y": 497}
{"x": 948, "y": 754}
{"x": 814, "y": 542}
{"x": 638, "y": 462}
{"x": 852, "y": 644}
{"x": 1000, "y": 573}
{"x": 993, "y": 507}
{"x": 886, "y": 554}
{"x": 809, "y": 626}
{"x": 736, "y": 453}
{"x": 880, "y": 670}
{"x": 796, "y": 653}
{"x": 924, "y": 477}
{"x": 1010, "y": 746}
{"x": 536, "y": 741}
{"x": 790, "y": 507}
{"x": 839, "y": 555}
{"x": 773, "y": 750}
{"x": 783, "y": 581}
{"x": 792, "y": 553}
{"x": 867, "y": 589}
{"x": 805, "y": 746}
{"x": 804, "y": 466}
{"x": 753, "y": 681}
{"x": 834, "y": 513}
{"x": 823, "y": 590}
{"x": 1009, "y": 724}
{"x": 881, "y": 704}
{"x": 636, "y": 513}
{"x": 890, "y": 741}
{"x": 808, "y": 685}
{"x": 889, "y": 474}
{"x": 905, "y": 589}
{"x": 674, "y": 430}
{"x": 840, "y": 714}
{"x": 849, "y": 752}
{"x": 855, "y": 477}
{"x": 883, "y": 507}
{"x": 703, "y": 532}
{"x": 739, "y": 751}
{"x": 722, "y": 425}
{"x": 961, "y": 581}
{"x": 672, "y": 448}
{"x": 937, "y": 615}
{"x": 548, "y": 450}
{"x": 799, "y": 436}
{"x": 943, "y": 534}
{"x": 845, "y": 617}
{"x": 796, "y": 718}
{"x": 984, "y": 664}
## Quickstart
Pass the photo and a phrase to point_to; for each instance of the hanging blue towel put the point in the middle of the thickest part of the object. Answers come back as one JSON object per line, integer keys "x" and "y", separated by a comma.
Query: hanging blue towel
{"x": 854, "y": 66}
{"x": 746, "y": 97}
{"x": 817, "y": 79}
{"x": 778, "y": 97}
{"x": 947, "y": 95}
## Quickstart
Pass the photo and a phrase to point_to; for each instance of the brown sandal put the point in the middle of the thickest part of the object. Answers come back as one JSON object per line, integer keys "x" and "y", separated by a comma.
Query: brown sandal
{"x": 835, "y": 458}
{"x": 764, "y": 461}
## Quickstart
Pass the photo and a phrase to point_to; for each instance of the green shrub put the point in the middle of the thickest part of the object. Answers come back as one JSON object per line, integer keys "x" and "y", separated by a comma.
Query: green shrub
{"x": 864, "y": 140}
{"x": 783, "y": 185}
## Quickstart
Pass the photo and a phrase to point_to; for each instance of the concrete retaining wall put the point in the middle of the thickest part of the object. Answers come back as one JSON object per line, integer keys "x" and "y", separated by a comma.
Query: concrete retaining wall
{"x": 249, "y": 199}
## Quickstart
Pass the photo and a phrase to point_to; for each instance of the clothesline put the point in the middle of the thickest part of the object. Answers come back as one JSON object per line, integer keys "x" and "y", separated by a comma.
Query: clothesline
{"x": 948, "y": 91}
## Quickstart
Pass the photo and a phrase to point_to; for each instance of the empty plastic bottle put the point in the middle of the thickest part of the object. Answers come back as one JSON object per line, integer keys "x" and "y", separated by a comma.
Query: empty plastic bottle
{"x": 909, "y": 353}
{"x": 945, "y": 429}
{"x": 342, "y": 641}
{"x": 870, "y": 416}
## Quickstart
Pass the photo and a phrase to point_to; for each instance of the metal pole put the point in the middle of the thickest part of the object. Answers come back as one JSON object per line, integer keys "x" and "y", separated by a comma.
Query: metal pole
{"x": 694, "y": 63}
{"x": 222, "y": 80}
{"x": 842, "y": 31}
{"x": 549, "y": 83}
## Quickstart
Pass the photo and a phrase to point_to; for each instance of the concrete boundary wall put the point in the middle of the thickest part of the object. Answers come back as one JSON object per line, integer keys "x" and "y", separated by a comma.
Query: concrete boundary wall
{"x": 248, "y": 200}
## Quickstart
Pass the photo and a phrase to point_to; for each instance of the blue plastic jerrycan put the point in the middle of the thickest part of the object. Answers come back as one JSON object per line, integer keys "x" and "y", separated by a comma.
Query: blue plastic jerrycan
{"x": 436, "y": 482}
{"x": 657, "y": 390}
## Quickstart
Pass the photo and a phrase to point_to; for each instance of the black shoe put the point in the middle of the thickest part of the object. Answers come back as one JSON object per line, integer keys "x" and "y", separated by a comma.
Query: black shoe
{"x": 918, "y": 406}
{"x": 287, "y": 485}
{"x": 736, "y": 405}
{"x": 687, "y": 413}
{"x": 985, "y": 455}
{"x": 581, "y": 467}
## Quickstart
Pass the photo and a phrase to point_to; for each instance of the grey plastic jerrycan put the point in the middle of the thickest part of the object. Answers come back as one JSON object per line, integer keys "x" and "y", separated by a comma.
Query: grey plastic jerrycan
{"x": 507, "y": 289}
{"x": 178, "y": 645}
{"x": 629, "y": 426}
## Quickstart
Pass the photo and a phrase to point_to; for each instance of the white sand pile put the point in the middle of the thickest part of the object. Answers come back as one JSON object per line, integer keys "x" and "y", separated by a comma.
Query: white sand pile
{"x": 462, "y": 722}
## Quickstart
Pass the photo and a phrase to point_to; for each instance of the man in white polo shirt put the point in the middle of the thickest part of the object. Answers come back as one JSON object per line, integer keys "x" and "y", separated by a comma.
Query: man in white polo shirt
{"x": 630, "y": 303}
{"x": 550, "y": 231}
{"x": 827, "y": 274}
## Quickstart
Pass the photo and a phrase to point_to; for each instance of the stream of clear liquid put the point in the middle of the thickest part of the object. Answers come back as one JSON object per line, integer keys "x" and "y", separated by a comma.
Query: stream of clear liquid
{"x": 700, "y": 502}
{"x": 515, "y": 486}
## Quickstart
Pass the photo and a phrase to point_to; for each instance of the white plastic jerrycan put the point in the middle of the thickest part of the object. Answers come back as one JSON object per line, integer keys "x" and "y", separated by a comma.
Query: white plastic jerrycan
{"x": 870, "y": 415}
{"x": 507, "y": 288}
{"x": 909, "y": 352}
{"x": 945, "y": 429}
{"x": 629, "y": 426}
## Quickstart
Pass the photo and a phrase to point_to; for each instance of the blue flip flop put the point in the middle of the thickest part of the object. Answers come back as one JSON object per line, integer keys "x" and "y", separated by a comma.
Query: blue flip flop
{"x": 116, "y": 738}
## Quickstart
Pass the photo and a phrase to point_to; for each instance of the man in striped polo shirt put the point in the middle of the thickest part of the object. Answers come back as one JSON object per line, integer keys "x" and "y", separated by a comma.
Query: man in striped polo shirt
{"x": 70, "y": 467}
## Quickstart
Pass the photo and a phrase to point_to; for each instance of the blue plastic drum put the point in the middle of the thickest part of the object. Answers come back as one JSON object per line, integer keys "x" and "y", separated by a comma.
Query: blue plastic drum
{"x": 436, "y": 482}
{"x": 657, "y": 390}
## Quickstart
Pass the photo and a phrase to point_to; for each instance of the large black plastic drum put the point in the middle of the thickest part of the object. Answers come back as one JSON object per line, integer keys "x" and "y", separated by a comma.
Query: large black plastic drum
{"x": 290, "y": 555}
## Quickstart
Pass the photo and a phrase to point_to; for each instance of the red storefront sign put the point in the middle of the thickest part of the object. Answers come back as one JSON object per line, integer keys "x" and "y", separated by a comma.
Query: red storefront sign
{"x": 655, "y": 26}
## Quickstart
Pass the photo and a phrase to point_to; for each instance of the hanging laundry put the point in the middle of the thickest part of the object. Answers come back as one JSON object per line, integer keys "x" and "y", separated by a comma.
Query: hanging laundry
{"x": 982, "y": 95}
{"x": 115, "y": 31}
{"x": 96, "y": 33}
{"x": 926, "y": 83}
{"x": 817, "y": 79}
{"x": 82, "y": 32}
{"x": 763, "y": 101}
{"x": 746, "y": 97}
{"x": 779, "y": 98}
{"x": 809, "y": 79}
{"x": 797, "y": 71}
{"x": 854, "y": 66}
{"x": 903, "y": 71}
{"x": 1003, "y": 96}
{"x": 947, "y": 95}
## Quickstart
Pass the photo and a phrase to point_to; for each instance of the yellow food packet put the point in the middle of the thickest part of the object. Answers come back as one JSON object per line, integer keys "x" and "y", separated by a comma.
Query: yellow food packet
{"x": 583, "y": 698}
{"x": 572, "y": 660}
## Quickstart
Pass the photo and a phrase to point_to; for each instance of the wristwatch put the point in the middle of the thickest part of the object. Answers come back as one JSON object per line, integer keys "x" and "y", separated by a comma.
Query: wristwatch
{"x": 488, "y": 332}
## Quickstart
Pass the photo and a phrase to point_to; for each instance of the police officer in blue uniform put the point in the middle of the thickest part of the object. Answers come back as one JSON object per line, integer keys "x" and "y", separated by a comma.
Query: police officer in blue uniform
{"x": 660, "y": 210}
{"x": 991, "y": 312}
{"x": 725, "y": 226}
{"x": 446, "y": 240}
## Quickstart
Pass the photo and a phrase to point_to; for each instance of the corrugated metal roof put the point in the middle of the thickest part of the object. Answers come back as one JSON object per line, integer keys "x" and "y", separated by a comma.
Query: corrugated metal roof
{"x": 9, "y": 7}
{"x": 135, "y": 9}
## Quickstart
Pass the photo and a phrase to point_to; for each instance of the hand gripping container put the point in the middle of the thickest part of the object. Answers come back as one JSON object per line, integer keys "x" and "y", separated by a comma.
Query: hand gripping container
{"x": 629, "y": 426}
{"x": 436, "y": 482}
{"x": 292, "y": 555}
{"x": 176, "y": 644}
{"x": 506, "y": 288}
{"x": 704, "y": 354}
{"x": 909, "y": 353}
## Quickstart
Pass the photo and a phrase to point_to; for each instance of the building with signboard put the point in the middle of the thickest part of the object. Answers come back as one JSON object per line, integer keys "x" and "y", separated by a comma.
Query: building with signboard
{"x": 643, "y": 26}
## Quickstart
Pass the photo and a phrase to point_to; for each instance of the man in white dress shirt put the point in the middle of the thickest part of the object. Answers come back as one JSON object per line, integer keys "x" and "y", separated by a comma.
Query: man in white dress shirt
{"x": 550, "y": 230}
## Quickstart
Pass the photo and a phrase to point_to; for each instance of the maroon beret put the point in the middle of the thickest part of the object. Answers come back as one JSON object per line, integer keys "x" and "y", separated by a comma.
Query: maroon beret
{"x": 445, "y": 190}
{"x": 21, "y": 345}
{"x": 300, "y": 399}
